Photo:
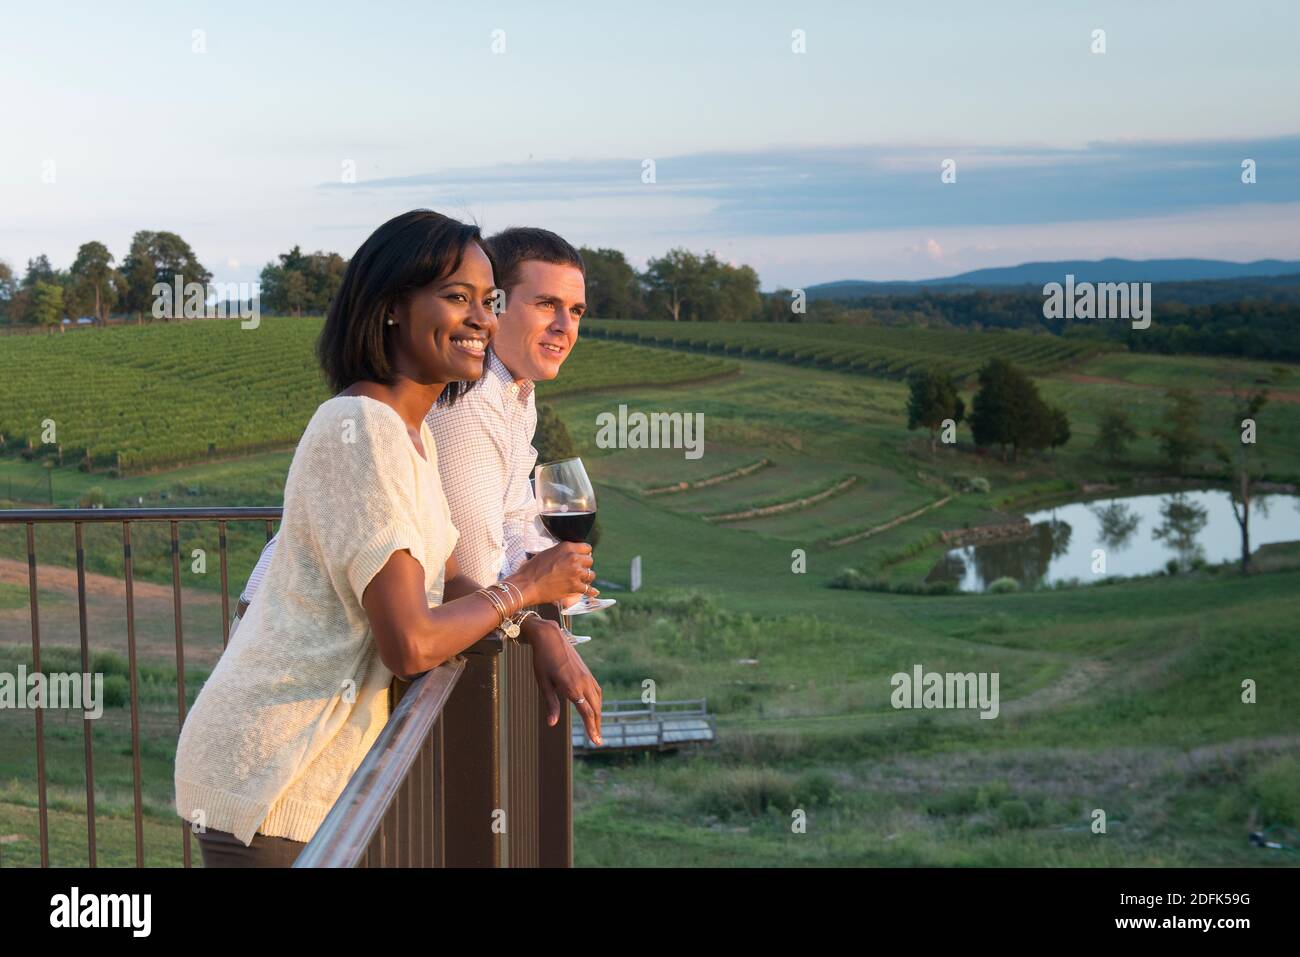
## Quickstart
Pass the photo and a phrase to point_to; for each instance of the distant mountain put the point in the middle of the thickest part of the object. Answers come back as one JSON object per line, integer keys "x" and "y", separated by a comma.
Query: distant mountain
{"x": 1036, "y": 274}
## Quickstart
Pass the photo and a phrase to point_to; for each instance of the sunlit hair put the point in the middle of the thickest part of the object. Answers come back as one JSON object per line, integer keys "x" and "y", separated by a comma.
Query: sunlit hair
{"x": 513, "y": 247}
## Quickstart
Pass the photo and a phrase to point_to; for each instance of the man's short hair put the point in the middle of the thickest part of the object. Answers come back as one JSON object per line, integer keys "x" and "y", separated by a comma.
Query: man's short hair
{"x": 511, "y": 248}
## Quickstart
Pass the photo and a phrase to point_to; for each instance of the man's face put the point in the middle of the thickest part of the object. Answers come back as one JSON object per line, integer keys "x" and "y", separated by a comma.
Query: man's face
{"x": 539, "y": 325}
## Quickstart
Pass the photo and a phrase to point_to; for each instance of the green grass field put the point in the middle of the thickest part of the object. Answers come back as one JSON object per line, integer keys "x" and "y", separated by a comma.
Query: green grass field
{"x": 889, "y": 352}
{"x": 165, "y": 394}
{"x": 1124, "y": 698}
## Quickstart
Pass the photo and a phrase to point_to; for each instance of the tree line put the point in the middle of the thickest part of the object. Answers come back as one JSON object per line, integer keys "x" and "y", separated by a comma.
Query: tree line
{"x": 1263, "y": 324}
{"x": 685, "y": 286}
{"x": 680, "y": 285}
{"x": 96, "y": 284}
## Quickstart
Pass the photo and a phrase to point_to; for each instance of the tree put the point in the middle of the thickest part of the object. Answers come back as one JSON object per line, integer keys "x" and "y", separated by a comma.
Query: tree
{"x": 1114, "y": 433}
{"x": 672, "y": 282}
{"x": 613, "y": 289}
{"x": 94, "y": 280}
{"x": 158, "y": 257}
{"x": 737, "y": 296}
{"x": 1246, "y": 406}
{"x": 779, "y": 307}
{"x": 47, "y": 303}
{"x": 687, "y": 287}
{"x": 1059, "y": 431}
{"x": 294, "y": 292}
{"x": 1008, "y": 411}
{"x": 39, "y": 270}
{"x": 7, "y": 289}
{"x": 1179, "y": 437}
{"x": 302, "y": 281}
{"x": 933, "y": 398}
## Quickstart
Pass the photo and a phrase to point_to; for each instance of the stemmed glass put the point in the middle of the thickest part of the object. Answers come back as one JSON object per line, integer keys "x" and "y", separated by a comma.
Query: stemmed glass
{"x": 535, "y": 540}
{"x": 567, "y": 503}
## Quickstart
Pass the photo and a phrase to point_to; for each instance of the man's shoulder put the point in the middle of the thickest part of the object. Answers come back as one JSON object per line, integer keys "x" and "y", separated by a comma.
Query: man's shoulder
{"x": 485, "y": 399}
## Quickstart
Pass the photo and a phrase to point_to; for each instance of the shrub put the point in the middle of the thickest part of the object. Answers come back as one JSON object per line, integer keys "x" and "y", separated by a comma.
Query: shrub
{"x": 117, "y": 691}
{"x": 854, "y": 580}
{"x": 1275, "y": 790}
{"x": 747, "y": 791}
{"x": 815, "y": 789}
{"x": 1014, "y": 814}
{"x": 1003, "y": 586}
{"x": 92, "y": 497}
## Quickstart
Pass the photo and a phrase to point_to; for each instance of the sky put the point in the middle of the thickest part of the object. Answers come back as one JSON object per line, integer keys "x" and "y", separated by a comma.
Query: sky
{"x": 251, "y": 127}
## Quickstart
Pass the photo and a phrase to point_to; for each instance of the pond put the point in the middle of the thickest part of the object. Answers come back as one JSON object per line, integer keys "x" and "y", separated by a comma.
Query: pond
{"x": 1139, "y": 534}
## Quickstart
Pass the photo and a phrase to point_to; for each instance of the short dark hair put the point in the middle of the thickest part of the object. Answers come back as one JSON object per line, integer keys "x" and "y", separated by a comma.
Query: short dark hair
{"x": 513, "y": 247}
{"x": 405, "y": 254}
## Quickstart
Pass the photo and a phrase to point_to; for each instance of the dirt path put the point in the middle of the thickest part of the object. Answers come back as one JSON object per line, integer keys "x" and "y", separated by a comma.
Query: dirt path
{"x": 106, "y": 625}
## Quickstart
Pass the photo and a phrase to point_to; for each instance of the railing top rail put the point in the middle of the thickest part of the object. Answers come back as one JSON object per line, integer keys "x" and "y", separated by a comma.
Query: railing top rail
{"x": 15, "y": 516}
{"x": 345, "y": 834}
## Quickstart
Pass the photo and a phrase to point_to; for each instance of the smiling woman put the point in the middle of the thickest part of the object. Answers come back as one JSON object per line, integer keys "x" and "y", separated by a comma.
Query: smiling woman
{"x": 403, "y": 299}
{"x": 362, "y": 586}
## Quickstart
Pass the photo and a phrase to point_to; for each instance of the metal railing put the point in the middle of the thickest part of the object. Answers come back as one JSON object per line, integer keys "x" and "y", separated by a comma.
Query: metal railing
{"x": 466, "y": 772}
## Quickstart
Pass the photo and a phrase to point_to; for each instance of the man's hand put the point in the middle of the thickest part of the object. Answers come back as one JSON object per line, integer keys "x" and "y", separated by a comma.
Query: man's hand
{"x": 561, "y": 673}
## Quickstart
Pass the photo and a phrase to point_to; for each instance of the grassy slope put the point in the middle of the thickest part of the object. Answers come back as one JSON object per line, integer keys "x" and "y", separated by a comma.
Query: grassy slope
{"x": 1124, "y": 698}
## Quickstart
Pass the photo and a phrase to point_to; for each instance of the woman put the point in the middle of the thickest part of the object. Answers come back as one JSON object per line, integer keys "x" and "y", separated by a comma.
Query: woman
{"x": 362, "y": 586}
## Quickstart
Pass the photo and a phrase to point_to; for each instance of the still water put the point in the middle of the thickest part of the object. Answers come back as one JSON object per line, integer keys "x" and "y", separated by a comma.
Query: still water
{"x": 1139, "y": 534}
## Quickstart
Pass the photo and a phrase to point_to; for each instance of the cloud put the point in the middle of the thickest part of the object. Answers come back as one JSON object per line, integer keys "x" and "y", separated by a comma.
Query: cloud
{"x": 854, "y": 188}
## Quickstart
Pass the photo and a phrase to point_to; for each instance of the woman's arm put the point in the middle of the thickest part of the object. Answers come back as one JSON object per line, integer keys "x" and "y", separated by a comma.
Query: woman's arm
{"x": 414, "y": 638}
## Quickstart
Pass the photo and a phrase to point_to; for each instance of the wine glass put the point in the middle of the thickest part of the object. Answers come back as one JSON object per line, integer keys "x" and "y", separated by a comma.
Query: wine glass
{"x": 567, "y": 505}
{"x": 536, "y": 540}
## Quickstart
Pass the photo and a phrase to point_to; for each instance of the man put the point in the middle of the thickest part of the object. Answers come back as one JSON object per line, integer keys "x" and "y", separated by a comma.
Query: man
{"x": 484, "y": 441}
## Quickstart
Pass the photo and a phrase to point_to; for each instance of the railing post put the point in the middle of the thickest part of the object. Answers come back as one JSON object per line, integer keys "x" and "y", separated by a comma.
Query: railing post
{"x": 554, "y": 780}
{"x": 509, "y": 793}
{"x": 473, "y": 751}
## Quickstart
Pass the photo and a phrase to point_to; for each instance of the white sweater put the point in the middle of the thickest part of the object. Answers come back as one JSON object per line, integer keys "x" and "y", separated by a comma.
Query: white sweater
{"x": 300, "y": 694}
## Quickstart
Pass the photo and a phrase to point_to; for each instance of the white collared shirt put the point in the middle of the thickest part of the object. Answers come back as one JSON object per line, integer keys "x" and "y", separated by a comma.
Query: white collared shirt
{"x": 486, "y": 460}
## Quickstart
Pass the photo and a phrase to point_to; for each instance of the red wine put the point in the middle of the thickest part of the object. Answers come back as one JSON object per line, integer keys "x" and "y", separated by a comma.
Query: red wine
{"x": 569, "y": 526}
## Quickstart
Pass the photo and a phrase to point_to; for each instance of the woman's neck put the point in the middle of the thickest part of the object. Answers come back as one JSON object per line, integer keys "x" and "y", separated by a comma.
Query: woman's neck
{"x": 411, "y": 400}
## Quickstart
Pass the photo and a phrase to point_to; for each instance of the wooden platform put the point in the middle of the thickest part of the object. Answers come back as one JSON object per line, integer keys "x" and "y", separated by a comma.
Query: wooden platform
{"x": 636, "y": 726}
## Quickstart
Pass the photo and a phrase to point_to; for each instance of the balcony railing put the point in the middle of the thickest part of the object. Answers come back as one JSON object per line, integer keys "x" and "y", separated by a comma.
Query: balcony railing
{"x": 465, "y": 773}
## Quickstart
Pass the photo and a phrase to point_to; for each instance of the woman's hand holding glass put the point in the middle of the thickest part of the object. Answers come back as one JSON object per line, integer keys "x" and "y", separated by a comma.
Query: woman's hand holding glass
{"x": 555, "y": 573}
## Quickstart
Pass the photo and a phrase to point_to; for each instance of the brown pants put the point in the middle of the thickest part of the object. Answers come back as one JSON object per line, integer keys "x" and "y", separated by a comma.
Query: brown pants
{"x": 221, "y": 849}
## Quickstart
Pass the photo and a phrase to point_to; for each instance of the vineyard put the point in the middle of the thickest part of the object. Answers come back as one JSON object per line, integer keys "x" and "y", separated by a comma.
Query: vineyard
{"x": 882, "y": 351}
{"x": 132, "y": 398}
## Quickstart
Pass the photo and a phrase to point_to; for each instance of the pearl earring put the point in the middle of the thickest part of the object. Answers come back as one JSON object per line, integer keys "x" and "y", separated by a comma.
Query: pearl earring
{"x": 391, "y": 323}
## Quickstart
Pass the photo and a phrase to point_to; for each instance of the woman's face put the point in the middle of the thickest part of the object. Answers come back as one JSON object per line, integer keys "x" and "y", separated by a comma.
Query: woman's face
{"x": 444, "y": 329}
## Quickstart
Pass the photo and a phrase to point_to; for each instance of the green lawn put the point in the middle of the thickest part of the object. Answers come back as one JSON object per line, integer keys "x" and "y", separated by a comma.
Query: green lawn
{"x": 1124, "y": 698}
